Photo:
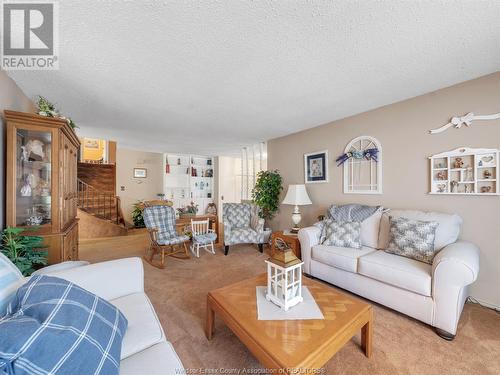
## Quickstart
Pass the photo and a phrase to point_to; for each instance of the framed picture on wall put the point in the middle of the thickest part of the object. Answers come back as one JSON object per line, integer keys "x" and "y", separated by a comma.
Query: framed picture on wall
{"x": 316, "y": 167}
{"x": 140, "y": 172}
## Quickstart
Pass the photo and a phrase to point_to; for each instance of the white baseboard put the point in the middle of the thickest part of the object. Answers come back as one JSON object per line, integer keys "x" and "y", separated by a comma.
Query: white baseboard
{"x": 487, "y": 304}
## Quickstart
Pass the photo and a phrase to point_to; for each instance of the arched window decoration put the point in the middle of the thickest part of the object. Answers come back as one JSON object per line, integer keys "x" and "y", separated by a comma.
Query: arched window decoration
{"x": 362, "y": 171}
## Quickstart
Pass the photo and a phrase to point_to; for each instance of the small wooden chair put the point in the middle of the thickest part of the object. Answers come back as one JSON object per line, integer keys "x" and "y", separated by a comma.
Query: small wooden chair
{"x": 160, "y": 222}
{"x": 203, "y": 236}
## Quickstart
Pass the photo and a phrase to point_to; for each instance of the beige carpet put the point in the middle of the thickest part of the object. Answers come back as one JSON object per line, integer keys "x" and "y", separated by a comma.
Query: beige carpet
{"x": 401, "y": 345}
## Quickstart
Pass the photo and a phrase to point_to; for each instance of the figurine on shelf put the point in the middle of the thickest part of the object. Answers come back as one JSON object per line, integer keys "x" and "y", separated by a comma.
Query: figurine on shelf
{"x": 468, "y": 189}
{"x": 487, "y": 174}
{"x": 26, "y": 188}
{"x": 469, "y": 174}
{"x": 24, "y": 154}
{"x": 441, "y": 175}
{"x": 441, "y": 188}
{"x": 458, "y": 163}
{"x": 454, "y": 185}
{"x": 35, "y": 218}
{"x": 34, "y": 150}
{"x": 211, "y": 209}
{"x": 485, "y": 189}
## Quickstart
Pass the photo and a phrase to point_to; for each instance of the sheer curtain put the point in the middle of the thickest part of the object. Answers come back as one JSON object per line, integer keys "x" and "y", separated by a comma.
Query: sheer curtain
{"x": 253, "y": 160}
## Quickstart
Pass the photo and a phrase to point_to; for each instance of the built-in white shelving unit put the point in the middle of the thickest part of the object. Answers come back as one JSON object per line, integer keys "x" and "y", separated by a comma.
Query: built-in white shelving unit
{"x": 188, "y": 178}
{"x": 465, "y": 171}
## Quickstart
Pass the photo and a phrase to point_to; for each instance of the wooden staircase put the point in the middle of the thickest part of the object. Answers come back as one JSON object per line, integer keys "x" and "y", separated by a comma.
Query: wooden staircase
{"x": 99, "y": 212}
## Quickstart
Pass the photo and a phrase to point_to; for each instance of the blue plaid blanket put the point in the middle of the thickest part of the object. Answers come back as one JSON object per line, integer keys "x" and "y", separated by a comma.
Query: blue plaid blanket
{"x": 55, "y": 327}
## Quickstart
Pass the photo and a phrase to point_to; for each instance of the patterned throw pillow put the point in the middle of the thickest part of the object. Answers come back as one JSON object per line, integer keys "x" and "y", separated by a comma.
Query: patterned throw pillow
{"x": 412, "y": 238}
{"x": 347, "y": 234}
{"x": 321, "y": 226}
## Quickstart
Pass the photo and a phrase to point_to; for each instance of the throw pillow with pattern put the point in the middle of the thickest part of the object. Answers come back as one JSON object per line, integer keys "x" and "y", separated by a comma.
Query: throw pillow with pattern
{"x": 321, "y": 226}
{"x": 412, "y": 238}
{"x": 347, "y": 234}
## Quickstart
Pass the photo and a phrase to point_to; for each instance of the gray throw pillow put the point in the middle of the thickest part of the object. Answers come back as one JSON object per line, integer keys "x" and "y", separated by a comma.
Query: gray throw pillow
{"x": 321, "y": 226}
{"x": 346, "y": 234}
{"x": 412, "y": 238}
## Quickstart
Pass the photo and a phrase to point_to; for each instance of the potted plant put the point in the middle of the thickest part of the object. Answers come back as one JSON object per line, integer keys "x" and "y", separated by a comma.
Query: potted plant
{"x": 137, "y": 215}
{"x": 188, "y": 211}
{"x": 26, "y": 252}
{"x": 266, "y": 194}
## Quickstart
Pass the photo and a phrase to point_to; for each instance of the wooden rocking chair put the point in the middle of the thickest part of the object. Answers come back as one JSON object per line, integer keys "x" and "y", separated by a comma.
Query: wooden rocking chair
{"x": 164, "y": 240}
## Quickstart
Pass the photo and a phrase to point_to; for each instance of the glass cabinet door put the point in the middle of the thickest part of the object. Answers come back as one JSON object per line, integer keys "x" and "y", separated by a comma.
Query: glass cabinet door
{"x": 33, "y": 177}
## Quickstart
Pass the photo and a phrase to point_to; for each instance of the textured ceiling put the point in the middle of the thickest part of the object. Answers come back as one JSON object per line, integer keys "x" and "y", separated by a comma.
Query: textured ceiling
{"x": 212, "y": 76}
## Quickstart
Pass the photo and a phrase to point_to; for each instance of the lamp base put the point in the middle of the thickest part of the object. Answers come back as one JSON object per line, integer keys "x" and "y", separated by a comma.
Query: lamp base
{"x": 296, "y": 220}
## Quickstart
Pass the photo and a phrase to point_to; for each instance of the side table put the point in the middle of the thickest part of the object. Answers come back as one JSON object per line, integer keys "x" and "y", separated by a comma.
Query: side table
{"x": 291, "y": 240}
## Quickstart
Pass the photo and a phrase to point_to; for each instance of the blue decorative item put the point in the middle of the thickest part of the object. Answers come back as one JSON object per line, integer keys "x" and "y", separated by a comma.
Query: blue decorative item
{"x": 371, "y": 153}
{"x": 54, "y": 326}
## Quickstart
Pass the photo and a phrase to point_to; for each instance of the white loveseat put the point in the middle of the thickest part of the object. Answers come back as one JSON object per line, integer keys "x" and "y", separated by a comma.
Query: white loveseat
{"x": 121, "y": 282}
{"x": 434, "y": 294}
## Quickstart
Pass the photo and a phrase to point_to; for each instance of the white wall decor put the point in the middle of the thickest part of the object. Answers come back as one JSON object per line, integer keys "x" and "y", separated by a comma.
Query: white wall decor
{"x": 465, "y": 171}
{"x": 466, "y": 120}
{"x": 362, "y": 171}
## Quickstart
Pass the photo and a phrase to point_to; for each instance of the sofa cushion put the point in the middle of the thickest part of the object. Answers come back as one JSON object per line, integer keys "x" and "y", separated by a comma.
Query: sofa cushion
{"x": 399, "y": 271}
{"x": 144, "y": 328}
{"x": 340, "y": 257}
{"x": 159, "y": 359}
{"x": 370, "y": 229}
{"x": 447, "y": 231}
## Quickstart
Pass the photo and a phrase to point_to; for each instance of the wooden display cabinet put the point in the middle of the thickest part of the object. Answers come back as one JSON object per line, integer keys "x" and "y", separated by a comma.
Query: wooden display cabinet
{"x": 42, "y": 156}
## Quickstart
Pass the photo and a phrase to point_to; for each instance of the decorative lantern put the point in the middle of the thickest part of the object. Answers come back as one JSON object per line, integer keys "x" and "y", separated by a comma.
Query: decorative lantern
{"x": 284, "y": 277}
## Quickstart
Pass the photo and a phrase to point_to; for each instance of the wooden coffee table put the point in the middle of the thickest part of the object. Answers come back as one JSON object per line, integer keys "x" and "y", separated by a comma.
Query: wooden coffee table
{"x": 291, "y": 344}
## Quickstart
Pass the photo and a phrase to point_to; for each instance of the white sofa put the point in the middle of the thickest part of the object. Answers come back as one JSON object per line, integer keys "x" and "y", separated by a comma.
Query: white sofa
{"x": 434, "y": 294}
{"x": 144, "y": 349}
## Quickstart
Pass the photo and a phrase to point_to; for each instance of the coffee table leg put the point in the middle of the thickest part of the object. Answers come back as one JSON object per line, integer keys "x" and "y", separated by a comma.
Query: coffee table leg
{"x": 366, "y": 335}
{"x": 209, "y": 326}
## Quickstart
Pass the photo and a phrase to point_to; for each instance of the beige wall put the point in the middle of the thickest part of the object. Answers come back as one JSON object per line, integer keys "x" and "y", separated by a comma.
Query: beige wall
{"x": 402, "y": 129}
{"x": 11, "y": 97}
{"x": 137, "y": 188}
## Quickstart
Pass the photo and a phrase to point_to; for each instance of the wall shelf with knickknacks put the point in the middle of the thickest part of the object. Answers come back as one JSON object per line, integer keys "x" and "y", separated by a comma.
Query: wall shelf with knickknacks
{"x": 188, "y": 178}
{"x": 465, "y": 171}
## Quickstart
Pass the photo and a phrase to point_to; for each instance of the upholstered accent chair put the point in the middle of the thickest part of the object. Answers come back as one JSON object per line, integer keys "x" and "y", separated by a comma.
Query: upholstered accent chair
{"x": 242, "y": 224}
{"x": 160, "y": 222}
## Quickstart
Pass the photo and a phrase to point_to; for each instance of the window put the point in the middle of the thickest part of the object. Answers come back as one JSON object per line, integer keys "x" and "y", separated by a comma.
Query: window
{"x": 253, "y": 160}
{"x": 362, "y": 173}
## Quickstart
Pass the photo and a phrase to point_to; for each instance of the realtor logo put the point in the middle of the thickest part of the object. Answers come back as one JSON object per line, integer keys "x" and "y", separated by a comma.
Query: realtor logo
{"x": 30, "y": 34}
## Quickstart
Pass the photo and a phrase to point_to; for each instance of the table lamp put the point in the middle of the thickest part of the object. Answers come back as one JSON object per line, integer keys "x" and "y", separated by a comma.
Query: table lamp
{"x": 297, "y": 196}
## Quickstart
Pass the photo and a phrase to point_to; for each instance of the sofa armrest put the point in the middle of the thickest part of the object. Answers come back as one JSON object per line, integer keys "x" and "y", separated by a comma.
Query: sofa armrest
{"x": 457, "y": 264}
{"x": 453, "y": 269}
{"x": 227, "y": 230}
{"x": 109, "y": 280}
{"x": 308, "y": 238}
{"x": 64, "y": 266}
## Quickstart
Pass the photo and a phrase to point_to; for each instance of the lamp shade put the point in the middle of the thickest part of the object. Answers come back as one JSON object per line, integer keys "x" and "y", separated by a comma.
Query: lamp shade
{"x": 297, "y": 195}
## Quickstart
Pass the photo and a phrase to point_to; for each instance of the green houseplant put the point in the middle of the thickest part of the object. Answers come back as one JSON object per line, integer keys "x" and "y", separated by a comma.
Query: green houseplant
{"x": 137, "y": 217}
{"x": 26, "y": 252}
{"x": 266, "y": 193}
{"x": 189, "y": 210}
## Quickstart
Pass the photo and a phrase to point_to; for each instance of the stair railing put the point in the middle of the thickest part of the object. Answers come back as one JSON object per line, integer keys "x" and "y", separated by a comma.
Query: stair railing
{"x": 102, "y": 204}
